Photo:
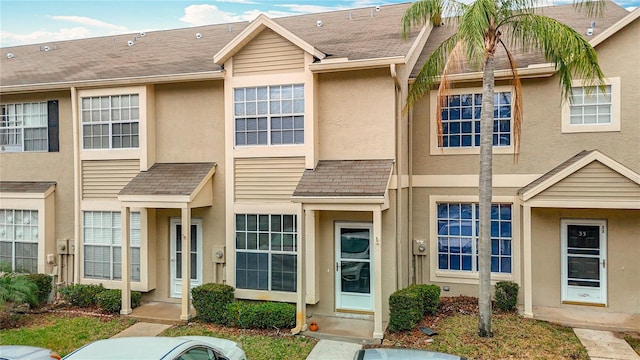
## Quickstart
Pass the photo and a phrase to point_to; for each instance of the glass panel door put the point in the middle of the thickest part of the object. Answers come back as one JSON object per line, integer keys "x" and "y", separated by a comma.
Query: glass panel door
{"x": 354, "y": 266}
{"x": 176, "y": 250}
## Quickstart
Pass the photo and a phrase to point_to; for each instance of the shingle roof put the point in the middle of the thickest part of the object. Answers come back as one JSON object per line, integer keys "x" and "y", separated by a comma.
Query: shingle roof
{"x": 171, "y": 52}
{"x": 555, "y": 170}
{"x": 25, "y": 186}
{"x": 565, "y": 14}
{"x": 168, "y": 179}
{"x": 349, "y": 178}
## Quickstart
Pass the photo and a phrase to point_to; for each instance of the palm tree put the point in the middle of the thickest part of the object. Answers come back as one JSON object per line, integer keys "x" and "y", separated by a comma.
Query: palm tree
{"x": 482, "y": 27}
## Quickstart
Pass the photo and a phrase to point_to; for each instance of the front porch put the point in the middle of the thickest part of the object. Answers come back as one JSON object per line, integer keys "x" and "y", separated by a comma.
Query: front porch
{"x": 161, "y": 313}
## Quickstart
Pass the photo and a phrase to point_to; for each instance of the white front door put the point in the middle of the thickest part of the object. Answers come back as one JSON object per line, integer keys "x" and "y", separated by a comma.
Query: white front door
{"x": 354, "y": 275}
{"x": 584, "y": 260}
{"x": 176, "y": 255}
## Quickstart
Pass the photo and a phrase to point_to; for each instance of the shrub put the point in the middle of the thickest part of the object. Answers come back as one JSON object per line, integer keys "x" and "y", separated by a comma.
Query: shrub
{"x": 16, "y": 289}
{"x": 210, "y": 301}
{"x": 506, "y": 295}
{"x": 81, "y": 295}
{"x": 429, "y": 297}
{"x": 111, "y": 300}
{"x": 261, "y": 315}
{"x": 406, "y": 309}
{"x": 44, "y": 284}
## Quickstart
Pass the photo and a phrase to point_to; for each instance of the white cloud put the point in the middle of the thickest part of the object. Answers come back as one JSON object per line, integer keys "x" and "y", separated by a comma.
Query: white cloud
{"x": 307, "y": 9}
{"x": 90, "y": 22}
{"x": 12, "y": 39}
{"x": 204, "y": 14}
{"x": 252, "y": 14}
{"x": 249, "y": 2}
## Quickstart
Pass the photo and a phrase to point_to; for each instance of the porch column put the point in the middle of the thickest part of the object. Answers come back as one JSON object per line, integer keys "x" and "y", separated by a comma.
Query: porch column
{"x": 186, "y": 263}
{"x": 528, "y": 277}
{"x": 377, "y": 278}
{"x": 312, "y": 276}
{"x": 125, "y": 251}
{"x": 301, "y": 306}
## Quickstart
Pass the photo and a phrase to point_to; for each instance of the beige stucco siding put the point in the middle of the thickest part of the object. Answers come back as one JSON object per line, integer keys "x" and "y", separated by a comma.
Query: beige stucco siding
{"x": 623, "y": 252}
{"x": 356, "y": 115}
{"x": 47, "y": 166}
{"x": 103, "y": 179}
{"x": 593, "y": 182}
{"x": 190, "y": 123}
{"x": 268, "y": 53}
{"x": 266, "y": 179}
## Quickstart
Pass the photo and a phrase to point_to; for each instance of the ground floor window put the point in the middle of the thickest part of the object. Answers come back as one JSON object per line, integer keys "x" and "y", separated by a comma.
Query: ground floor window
{"x": 19, "y": 240}
{"x": 458, "y": 228}
{"x": 266, "y": 248}
{"x": 102, "y": 251}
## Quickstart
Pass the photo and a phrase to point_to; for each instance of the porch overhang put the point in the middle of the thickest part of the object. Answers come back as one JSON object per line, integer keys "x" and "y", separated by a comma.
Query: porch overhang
{"x": 166, "y": 185}
{"x": 343, "y": 185}
{"x": 588, "y": 180}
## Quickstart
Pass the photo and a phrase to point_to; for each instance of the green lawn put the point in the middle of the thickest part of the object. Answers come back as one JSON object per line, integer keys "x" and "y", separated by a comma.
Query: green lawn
{"x": 256, "y": 347}
{"x": 634, "y": 342}
{"x": 61, "y": 333}
{"x": 514, "y": 338}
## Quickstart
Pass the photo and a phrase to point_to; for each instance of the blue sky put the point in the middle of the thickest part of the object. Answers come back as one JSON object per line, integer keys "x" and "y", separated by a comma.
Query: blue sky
{"x": 44, "y": 21}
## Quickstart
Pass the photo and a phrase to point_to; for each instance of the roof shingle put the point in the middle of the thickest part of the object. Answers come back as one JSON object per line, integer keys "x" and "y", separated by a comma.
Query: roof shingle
{"x": 25, "y": 186}
{"x": 168, "y": 179}
{"x": 348, "y": 178}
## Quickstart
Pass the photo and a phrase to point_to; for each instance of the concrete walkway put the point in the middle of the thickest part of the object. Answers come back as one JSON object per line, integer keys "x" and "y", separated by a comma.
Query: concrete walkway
{"x": 604, "y": 345}
{"x": 334, "y": 350}
{"x": 142, "y": 329}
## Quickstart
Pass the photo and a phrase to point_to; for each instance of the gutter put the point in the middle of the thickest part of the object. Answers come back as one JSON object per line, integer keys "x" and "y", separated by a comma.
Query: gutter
{"x": 532, "y": 71}
{"x": 65, "y": 85}
{"x": 344, "y": 64}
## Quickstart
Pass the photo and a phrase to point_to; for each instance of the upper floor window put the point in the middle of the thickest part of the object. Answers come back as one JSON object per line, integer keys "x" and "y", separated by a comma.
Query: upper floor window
{"x": 593, "y": 108}
{"x": 110, "y": 122}
{"x": 461, "y": 120}
{"x": 269, "y": 115}
{"x": 29, "y": 126}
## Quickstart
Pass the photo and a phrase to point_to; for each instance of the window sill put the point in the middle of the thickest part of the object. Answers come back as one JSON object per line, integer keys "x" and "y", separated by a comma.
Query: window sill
{"x": 265, "y": 295}
{"x": 467, "y": 278}
{"x": 269, "y": 151}
{"x": 117, "y": 284}
{"x": 469, "y": 150}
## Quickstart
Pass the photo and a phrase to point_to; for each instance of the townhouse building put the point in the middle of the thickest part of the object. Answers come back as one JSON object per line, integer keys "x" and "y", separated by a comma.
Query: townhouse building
{"x": 275, "y": 156}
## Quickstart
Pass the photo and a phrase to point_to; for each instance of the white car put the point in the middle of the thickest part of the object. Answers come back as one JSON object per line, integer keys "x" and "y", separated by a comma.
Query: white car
{"x": 157, "y": 348}
{"x": 23, "y": 352}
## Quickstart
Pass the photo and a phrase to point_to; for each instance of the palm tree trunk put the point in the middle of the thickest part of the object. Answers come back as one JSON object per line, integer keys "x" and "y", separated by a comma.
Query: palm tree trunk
{"x": 485, "y": 193}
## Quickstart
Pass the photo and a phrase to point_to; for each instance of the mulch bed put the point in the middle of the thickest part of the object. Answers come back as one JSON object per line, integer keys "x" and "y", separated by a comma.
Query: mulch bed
{"x": 38, "y": 316}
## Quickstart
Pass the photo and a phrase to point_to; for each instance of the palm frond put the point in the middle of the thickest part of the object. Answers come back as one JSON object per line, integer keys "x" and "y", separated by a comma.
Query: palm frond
{"x": 431, "y": 71}
{"x": 571, "y": 54}
{"x": 518, "y": 109}
{"x": 476, "y": 23}
{"x": 435, "y": 11}
{"x": 590, "y": 7}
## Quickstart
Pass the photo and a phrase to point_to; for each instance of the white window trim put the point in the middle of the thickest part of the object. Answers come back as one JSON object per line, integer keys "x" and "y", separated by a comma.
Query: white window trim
{"x": 23, "y": 127}
{"x": 433, "y": 128}
{"x": 460, "y": 277}
{"x": 567, "y": 127}
{"x": 119, "y": 153}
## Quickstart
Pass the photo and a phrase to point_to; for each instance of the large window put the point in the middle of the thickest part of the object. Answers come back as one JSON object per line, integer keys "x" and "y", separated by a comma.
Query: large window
{"x": 19, "y": 240}
{"x": 266, "y": 252}
{"x": 25, "y": 127}
{"x": 110, "y": 122}
{"x": 102, "y": 251}
{"x": 461, "y": 120}
{"x": 269, "y": 115}
{"x": 458, "y": 237}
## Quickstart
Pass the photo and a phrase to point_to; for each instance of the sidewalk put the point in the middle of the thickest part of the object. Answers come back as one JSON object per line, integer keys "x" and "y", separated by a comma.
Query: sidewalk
{"x": 604, "y": 345}
{"x": 142, "y": 329}
{"x": 334, "y": 350}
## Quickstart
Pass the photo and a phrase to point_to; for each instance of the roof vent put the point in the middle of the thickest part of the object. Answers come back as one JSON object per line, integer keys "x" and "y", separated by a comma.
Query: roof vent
{"x": 47, "y": 48}
{"x": 10, "y": 56}
{"x": 371, "y": 13}
{"x": 142, "y": 33}
{"x": 130, "y": 42}
{"x": 593, "y": 24}
{"x": 198, "y": 35}
{"x": 590, "y": 31}
{"x": 230, "y": 28}
{"x": 377, "y": 7}
{"x": 350, "y": 15}
{"x": 319, "y": 23}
